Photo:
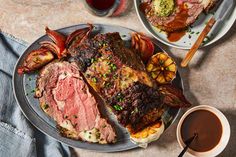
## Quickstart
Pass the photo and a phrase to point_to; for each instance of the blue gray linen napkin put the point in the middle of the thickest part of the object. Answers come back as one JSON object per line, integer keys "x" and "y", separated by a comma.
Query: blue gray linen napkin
{"x": 18, "y": 138}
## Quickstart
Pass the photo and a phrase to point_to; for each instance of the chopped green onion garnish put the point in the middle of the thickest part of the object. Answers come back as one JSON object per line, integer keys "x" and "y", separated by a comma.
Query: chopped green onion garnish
{"x": 94, "y": 79}
{"x": 46, "y": 106}
{"x": 118, "y": 107}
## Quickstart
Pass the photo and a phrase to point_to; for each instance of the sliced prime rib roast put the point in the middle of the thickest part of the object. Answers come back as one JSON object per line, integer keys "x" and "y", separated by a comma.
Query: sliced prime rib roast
{"x": 185, "y": 13}
{"x": 65, "y": 97}
{"x": 118, "y": 75}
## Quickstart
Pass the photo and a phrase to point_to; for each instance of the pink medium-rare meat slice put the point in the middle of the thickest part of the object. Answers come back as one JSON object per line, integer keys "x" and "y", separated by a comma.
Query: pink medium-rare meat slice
{"x": 65, "y": 97}
{"x": 185, "y": 13}
{"x": 71, "y": 91}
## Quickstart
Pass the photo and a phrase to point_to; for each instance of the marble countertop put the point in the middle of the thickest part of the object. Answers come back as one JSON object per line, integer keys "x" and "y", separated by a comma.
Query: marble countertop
{"x": 210, "y": 79}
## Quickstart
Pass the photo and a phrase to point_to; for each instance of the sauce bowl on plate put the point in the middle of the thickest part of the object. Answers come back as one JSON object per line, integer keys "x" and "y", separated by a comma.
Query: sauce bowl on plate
{"x": 212, "y": 129}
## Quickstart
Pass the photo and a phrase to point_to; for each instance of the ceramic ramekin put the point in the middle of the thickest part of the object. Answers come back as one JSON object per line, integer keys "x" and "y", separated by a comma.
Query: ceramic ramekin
{"x": 224, "y": 138}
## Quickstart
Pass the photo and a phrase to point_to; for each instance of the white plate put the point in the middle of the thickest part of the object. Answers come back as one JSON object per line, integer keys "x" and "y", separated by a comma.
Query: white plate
{"x": 185, "y": 42}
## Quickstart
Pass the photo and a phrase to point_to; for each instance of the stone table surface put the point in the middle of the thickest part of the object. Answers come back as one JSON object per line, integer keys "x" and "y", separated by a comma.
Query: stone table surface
{"x": 210, "y": 79}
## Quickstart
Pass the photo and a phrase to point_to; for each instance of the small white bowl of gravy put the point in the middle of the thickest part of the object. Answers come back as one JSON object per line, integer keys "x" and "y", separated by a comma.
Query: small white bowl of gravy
{"x": 212, "y": 129}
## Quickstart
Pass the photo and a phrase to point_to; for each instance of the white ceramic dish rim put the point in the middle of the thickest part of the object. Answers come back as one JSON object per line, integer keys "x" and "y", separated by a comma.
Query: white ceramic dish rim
{"x": 225, "y": 132}
{"x": 232, "y": 20}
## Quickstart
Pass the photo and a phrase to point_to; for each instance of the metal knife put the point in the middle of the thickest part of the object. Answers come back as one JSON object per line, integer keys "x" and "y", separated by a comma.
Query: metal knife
{"x": 223, "y": 10}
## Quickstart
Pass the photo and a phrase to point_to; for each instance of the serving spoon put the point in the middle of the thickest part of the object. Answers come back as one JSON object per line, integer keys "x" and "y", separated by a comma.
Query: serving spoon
{"x": 187, "y": 142}
{"x": 225, "y": 7}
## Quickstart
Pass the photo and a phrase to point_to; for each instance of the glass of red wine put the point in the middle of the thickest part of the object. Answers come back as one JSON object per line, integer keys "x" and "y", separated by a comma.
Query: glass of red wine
{"x": 106, "y": 7}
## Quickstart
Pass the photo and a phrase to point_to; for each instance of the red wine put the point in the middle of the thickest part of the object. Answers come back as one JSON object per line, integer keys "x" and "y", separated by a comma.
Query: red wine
{"x": 101, "y": 4}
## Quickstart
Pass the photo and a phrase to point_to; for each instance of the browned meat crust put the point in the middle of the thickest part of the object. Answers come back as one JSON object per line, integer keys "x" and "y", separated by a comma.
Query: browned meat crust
{"x": 120, "y": 78}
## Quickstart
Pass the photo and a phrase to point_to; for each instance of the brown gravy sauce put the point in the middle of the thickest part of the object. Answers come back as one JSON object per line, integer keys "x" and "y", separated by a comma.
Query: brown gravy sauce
{"x": 178, "y": 22}
{"x": 180, "y": 18}
{"x": 208, "y": 127}
{"x": 175, "y": 36}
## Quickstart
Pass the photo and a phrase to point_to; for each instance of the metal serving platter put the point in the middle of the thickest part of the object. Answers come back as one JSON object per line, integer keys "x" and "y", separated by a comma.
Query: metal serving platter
{"x": 24, "y": 86}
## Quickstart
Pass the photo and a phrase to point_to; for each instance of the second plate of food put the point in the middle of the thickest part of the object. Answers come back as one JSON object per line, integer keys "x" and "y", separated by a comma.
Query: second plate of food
{"x": 184, "y": 19}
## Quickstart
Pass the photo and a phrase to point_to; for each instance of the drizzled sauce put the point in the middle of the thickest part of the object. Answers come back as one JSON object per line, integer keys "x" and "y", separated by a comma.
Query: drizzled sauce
{"x": 207, "y": 126}
{"x": 180, "y": 18}
{"x": 101, "y": 4}
{"x": 175, "y": 36}
{"x": 178, "y": 22}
